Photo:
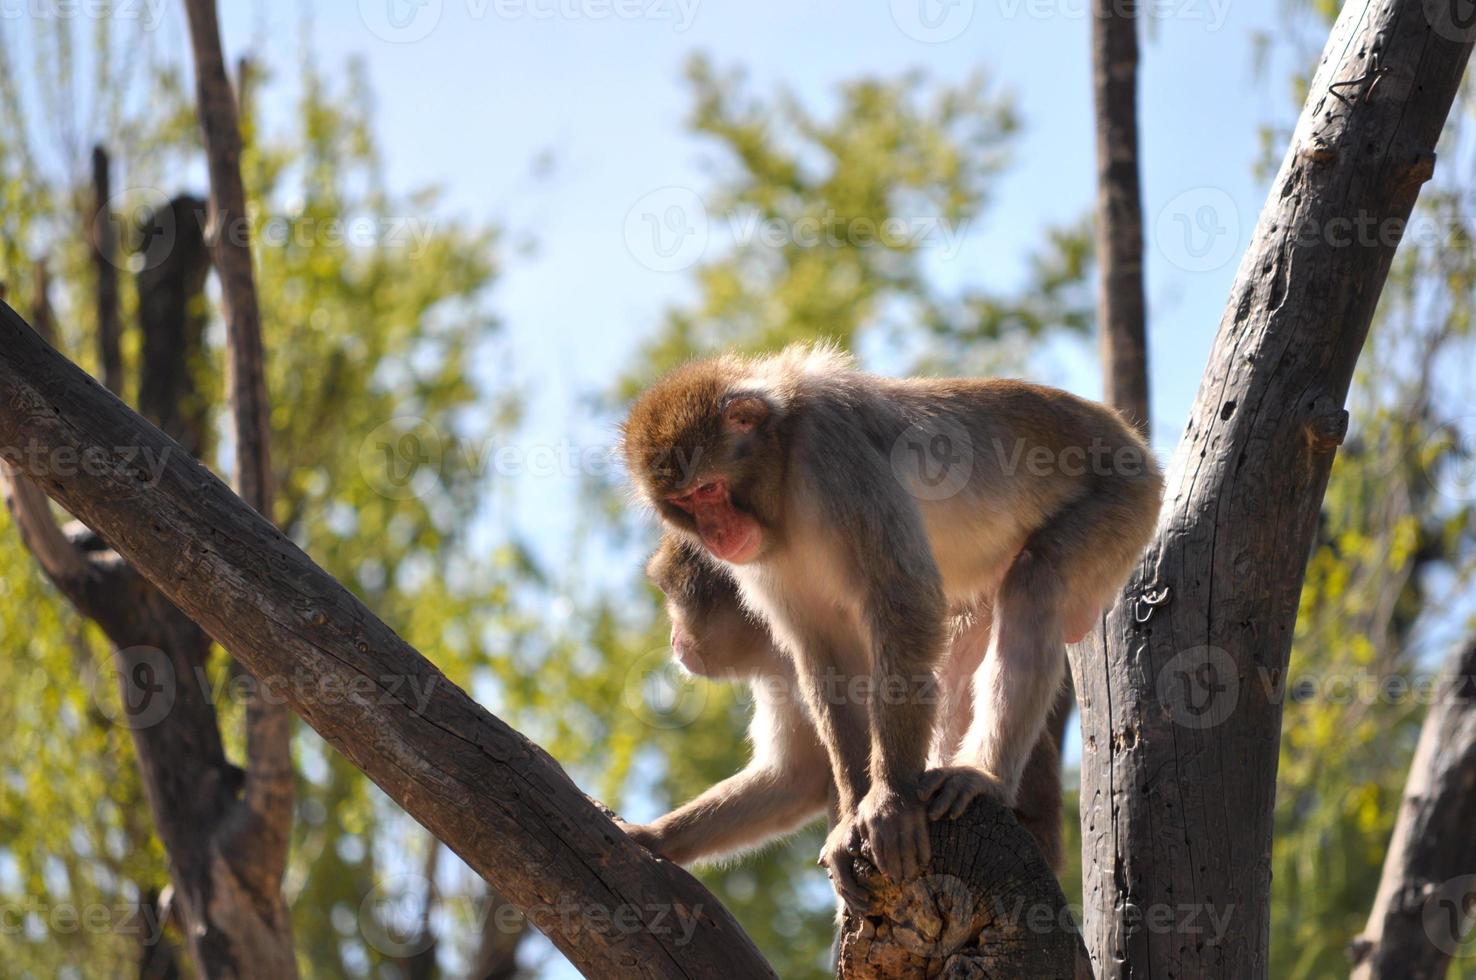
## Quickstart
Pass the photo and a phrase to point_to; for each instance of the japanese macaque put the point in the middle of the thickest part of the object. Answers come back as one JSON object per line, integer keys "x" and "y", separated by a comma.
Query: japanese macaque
{"x": 867, "y": 521}
{"x": 787, "y": 783}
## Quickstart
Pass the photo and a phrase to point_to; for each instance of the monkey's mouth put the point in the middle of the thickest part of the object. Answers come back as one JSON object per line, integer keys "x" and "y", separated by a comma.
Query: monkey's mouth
{"x": 726, "y": 531}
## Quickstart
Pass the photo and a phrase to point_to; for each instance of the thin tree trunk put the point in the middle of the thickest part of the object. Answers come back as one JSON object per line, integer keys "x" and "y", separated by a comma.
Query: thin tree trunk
{"x": 104, "y": 242}
{"x": 1427, "y": 893}
{"x": 1181, "y": 713}
{"x": 262, "y": 834}
{"x": 488, "y": 793}
{"x": 1121, "y": 316}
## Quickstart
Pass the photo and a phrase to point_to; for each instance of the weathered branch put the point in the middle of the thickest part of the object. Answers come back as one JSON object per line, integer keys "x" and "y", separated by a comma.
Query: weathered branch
{"x": 492, "y": 796}
{"x": 1121, "y": 311}
{"x": 1180, "y": 709}
{"x": 1427, "y": 893}
{"x": 105, "y": 269}
{"x": 265, "y": 833}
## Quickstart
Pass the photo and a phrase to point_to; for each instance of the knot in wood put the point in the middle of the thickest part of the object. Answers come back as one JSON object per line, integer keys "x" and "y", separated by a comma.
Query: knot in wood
{"x": 1327, "y": 431}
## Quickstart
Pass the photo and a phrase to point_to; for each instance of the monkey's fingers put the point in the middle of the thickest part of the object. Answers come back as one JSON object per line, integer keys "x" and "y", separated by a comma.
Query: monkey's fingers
{"x": 843, "y": 878}
{"x": 945, "y": 795}
{"x": 930, "y": 782}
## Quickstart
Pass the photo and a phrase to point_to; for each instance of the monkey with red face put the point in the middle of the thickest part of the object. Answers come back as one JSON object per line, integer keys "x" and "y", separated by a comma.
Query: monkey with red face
{"x": 793, "y": 471}
{"x": 788, "y": 781}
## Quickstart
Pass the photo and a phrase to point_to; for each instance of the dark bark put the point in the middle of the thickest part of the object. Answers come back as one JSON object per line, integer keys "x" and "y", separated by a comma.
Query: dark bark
{"x": 987, "y": 906}
{"x": 261, "y": 830}
{"x": 1180, "y": 711}
{"x": 493, "y": 797}
{"x": 1427, "y": 892}
{"x": 104, "y": 241}
{"x": 1121, "y": 316}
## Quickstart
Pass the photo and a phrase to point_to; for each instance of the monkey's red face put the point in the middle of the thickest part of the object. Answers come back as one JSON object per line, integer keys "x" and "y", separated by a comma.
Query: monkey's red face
{"x": 726, "y": 531}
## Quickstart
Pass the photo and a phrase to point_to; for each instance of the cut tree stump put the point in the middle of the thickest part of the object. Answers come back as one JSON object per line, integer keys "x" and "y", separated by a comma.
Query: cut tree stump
{"x": 987, "y": 908}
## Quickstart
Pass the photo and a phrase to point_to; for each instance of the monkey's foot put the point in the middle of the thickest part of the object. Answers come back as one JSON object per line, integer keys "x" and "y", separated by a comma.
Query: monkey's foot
{"x": 949, "y": 791}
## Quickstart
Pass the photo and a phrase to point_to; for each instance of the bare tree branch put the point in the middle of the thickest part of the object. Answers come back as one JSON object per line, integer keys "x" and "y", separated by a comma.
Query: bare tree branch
{"x": 492, "y": 796}
{"x": 105, "y": 269}
{"x": 268, "y": 831}
{"x": 1180, "y": 709}
{"x": 1427, "y": 893}
{"x": 1121, "y": 314}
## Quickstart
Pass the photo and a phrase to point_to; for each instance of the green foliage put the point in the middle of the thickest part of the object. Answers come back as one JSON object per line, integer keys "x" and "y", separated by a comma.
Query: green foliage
{"x": 375, "y": 314}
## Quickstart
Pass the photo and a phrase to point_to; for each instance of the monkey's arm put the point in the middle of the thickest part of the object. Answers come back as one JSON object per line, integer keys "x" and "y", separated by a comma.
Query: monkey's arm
{"x": 786, "y": 784}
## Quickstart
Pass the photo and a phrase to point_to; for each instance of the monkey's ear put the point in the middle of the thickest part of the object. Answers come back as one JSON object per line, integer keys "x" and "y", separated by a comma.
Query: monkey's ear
{"x": 744, "y": 413}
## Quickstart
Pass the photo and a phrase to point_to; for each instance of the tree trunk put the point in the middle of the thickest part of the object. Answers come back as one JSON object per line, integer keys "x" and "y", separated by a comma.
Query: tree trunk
{"x": 987, "y": 906}
{"x": 492, "y": 796}
{"x": 1121, "y": 316}
{"x": 1427, "y": 892}
{"x": 104, "y": 242}
{"x": 1180, "y": 689}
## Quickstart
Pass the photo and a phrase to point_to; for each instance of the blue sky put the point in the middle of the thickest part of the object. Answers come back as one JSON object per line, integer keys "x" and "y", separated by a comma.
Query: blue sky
{"x": 471, "y": 92}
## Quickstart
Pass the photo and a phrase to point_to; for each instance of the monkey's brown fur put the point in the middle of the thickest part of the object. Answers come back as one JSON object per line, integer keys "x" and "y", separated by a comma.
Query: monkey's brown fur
{"x": 787, "y": 783}
{"x": 794, "y": 471}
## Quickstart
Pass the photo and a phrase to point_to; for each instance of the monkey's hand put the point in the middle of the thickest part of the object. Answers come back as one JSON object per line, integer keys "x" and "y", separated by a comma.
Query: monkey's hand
{"x": 895, "y": 822}
{"x": 645, "y": 835}
{"x": 949, "y": 791}
{"x": 843, "y": 844}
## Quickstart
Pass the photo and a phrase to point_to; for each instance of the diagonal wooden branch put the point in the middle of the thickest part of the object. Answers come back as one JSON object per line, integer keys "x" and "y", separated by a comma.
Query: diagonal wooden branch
{"x": 492, "y": 796}
{"x": 1427, "y": 893}
{"x": 1181, "y": 713}
{"x": 266, "y": 830}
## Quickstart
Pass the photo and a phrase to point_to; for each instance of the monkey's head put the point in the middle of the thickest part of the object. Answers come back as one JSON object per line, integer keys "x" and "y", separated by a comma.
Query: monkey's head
{"x": 703, "y": 447}
{"x": 712, "y": 635}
